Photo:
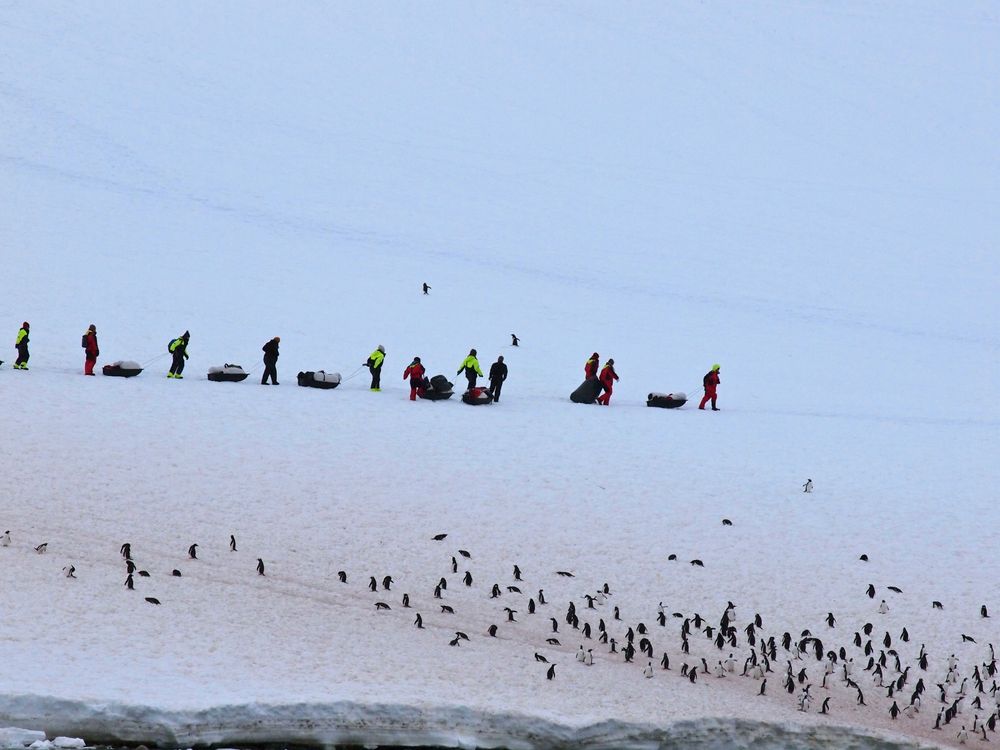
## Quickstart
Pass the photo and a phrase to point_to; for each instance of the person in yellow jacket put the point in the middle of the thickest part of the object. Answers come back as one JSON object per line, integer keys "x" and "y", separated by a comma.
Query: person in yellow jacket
{"x": 471, "y": 366}
{"x": 374, "y": 365}
{"x": 21, "y": 344}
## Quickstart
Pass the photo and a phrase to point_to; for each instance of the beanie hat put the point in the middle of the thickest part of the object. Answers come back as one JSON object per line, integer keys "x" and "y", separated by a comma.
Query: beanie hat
{"x": 472, "y": 352}
{"x": 381, "y": 348}
{"x": 714, "y": 368}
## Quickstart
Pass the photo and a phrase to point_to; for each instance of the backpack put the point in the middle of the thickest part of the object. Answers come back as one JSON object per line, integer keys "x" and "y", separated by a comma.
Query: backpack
{"x": 83, "y": 341}
{"x": 170, "y": 345}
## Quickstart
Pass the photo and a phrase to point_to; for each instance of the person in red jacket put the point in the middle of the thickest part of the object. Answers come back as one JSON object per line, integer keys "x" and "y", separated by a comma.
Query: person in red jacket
{"x": 608, "y": 378}
{"x": 415, "y": 372}
{"x": 92, "y": 352}
{"x": 591, "y": 366}
{"x": 711, "y": 382}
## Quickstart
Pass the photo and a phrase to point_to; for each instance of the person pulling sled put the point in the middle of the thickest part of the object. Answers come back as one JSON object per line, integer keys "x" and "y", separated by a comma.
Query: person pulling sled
{"x": 711, "y": 382}
{"x": 498, "y": 374}
{"x": 270, "y": 350}
{"x": 89, "y": 344}
{"x": 608, "y": 378}
{"x": 374, "y": 365}
{"x": 21, "y": 344}
{"x": 418, "y": 383}
{"x": 178, "y": 348}
{"x": 591, "y": 366}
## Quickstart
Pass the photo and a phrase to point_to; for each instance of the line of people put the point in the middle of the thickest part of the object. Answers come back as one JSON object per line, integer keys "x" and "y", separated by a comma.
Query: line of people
{"x": 415, "y": 372}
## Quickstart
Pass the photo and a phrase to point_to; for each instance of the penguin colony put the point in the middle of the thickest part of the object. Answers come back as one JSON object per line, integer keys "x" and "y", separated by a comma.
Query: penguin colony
{"x": 863, "y": 665}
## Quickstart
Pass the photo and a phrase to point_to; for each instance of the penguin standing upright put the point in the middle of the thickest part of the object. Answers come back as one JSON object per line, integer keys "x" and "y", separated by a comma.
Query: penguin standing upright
{"x": 808, "y": 486}
{"x": 193, "y": 552}
{"x": 260, "y": 566}
{"x": 5, "y": 539}
{"x": 647, "y": 671}
{"x": 232, "y": 543}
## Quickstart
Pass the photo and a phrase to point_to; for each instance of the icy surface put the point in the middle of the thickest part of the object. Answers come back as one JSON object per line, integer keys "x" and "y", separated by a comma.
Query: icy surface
{"x": 804, "y": 193}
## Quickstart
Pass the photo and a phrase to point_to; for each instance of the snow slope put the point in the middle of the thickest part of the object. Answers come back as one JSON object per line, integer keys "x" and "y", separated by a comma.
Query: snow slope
{"x": 803, "y": 193}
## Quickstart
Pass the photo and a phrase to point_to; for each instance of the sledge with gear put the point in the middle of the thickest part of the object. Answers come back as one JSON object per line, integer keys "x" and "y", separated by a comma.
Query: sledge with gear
{"x": 319, "y": 379}
{"x": 438, "y": 388}
{"x": 122, "y": 369}
{"x": 588, "y": 392}
{"x": 477, "y": 397}
{"x": 666, "y": 400}
{"x": 227, "y": 374}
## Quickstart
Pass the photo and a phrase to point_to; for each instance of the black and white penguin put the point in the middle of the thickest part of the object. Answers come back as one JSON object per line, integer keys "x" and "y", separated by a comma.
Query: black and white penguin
{"x": 232, "y": 543}
{"x": 464, "y": 553}
{"x": 175, "y": 573}
{"x": 5, "y": 539}
{"x": 808, "y": 486}
{"x": 541, "y": 596}
{"x": 406, "y": 601}
{"x": 260, "y": 566}
{"x": 831, "y": 620}
{"x": 825, "y": 707}
{"x": 129, "y": 566}
{"x": 153, "y": 600}
{"x": 870, "y": 591}
{"x": 126, "y": 550}
{"x": 372, "y": 583}
{"x": 193, "y": 552}
{"x": 387, "y": 583}
{"x": 129, "y": 583}
{"x": 446, "y": 610}
{"x": 540, "y": 658}
{"x": 510, "y": 614}
{"x": 381, "y": 605}
{"x": 531, "y": 606}
{"x": 419, "y": 621}
{"x": 495, "y": 591}
{"x": 983, "y": 611}
{"x": 647, "y": 671}
{"x": 40, "y": 549}
{"x": 438, "y": 537}
{"x": 437, "y": 591}
{"x": 551, "y": 673}
{"x": 763, "y": 687}
{"x": 342, "y": 575}
{"x": 555, "y": 624}
{"x": 492, "y": 631}
{"x": 665, "y": 661}
{"x": 454, "y": 565}
{"x": 517, "y": 573}
{"x": 69, "y": 571}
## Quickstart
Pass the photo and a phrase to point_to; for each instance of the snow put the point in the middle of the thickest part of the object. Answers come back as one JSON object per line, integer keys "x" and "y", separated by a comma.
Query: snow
{"x": 802, "y": 193}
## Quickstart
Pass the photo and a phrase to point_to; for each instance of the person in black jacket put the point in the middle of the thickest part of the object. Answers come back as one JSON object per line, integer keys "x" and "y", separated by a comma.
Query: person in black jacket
{"x": 270, "y": 350}
{"x": 498, "y": 374}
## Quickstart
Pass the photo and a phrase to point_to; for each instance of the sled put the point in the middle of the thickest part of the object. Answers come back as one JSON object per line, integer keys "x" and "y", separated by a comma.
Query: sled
{"x": 319, "y": 379}
{"x": 438, "y": 389}
{"x": 666, "y": 400}
{"x": 122, "y": 369}
{"x": 227, "y": 374}
{"x": 477, "y": 397}
{"x": 588, "y": 392}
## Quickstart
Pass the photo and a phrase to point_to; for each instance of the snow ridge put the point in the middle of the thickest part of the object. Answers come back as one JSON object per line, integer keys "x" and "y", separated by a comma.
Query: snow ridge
{"x": 372, "y": 724}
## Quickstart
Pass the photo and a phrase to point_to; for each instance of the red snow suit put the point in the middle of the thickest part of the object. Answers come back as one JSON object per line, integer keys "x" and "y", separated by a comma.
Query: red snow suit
{"x": 711, "y": 382}
{"x": 608, "y": 378}
{"x": 415, "y": 372}
{"x": 92, "y": 353}
{"x": 590, "y": 367}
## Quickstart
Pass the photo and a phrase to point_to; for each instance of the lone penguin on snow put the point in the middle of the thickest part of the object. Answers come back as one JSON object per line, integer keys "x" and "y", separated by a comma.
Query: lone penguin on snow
{"x": 193, "y": 552}
{"x": 808, "y": 486}
{"x": 260, "y": 566}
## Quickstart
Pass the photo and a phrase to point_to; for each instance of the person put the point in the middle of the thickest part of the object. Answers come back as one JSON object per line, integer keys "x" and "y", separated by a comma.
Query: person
{"x": 270, "y": 350}
{"x": 426, "y": 288}
{"x": 179, "y": 348}
{"x": 374, "y": 365}
{"x": 591, "y": 366}
{"x": 415, "y": 373}
{"x": 90, "y": 347}
{"x": 711, "y": 382}
{"x": 471, "y": 366}
{"x": 608, "y": 378}
{"x": 513, "y": 340}
{"x": 21, "y": 344}
{"x": 498, "y": 374}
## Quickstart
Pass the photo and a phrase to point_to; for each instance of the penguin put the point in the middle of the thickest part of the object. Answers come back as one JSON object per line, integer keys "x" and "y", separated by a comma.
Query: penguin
{"x": 541, "y": 596}
{"x": 232, "y": 543}
{"x": 551, "y": 673}
{"x": 152, "y": 600}
{"x": 464, "y": 553}
{"x": 531, "y": 606}
{"x": 193, "y": 552}
{"x": 540, "y": 658}
{"x": 893, "y": 711}
{"x": 419, "y": 622}
{"x": 143, "y": 574}
{"x": 5, "y": 539}
{"x": 438, "y": 537}
{"x": 517, "y": 573}
{"x": 381, "y": 605}
{"x": 871, "y": 591}
{"x": 126, "y": 550}
{"x": 863, "y": 558}
{"x": 387, "y": 583}
{"x": 555, "y": 625}
{"x": 175, "y": 573}
{"x": 581, "y": 654}
{"x": 495, "y": 591}
{"x": 129, "y": 566}
{"x": 588, "y": 660}
{"x": 69, "y": 571}
{"x": 825, "y": 707}
{"x": 693, "y": 675}
{"x": 883, "y": 608}
{"x": 446, "y": 610}
{"x": 590, "y": 601}
{"x": 40, "y": 549}
{"x": 698, "y": 563}
{"x": 808, "y": 486}
{"x": 342, "y": 575}
{"x": 726, "y": 522}
{"x": 962, "y": 736}
{"x": 895, "y": 589}
{"x": 982, "y": 610}
{"x": 437, "y": 591}
{"x": 904, "y": 636}
{"x": 937, "y": 605}
{"x": 617, "y": 615}
{"x": 406, "y": 601}
{"x": 461, "y": 635}
{"x": 372, "y": 583}
{"x": 454, "y": 565}
{"x": 830, "y": 619}
{"x": 510, "y": 614}
{"x": 967, "y": 638}
{"x": 671, "y": 557}
{"x": 260, "y": 566}
{"x": 763, "y": 687}
{"x": 129, "y": 583}
{"x": 454, "y": 641}
{"x": 719, "y": 671}
{"x": 647, "y": 671}
{"x": 492, "y": 631}
{"x": 565, "y": 574}
{"x": 586, "y": 630}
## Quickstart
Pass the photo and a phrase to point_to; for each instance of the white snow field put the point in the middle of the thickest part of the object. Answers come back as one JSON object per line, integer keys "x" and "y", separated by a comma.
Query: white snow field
{"x": 805, "y": 193}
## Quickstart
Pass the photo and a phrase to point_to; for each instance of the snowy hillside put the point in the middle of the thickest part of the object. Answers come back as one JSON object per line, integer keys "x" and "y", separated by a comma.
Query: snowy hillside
{"x": 804, "y": 193}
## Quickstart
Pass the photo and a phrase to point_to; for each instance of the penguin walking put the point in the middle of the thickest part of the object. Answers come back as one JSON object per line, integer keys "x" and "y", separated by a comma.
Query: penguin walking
{"x": 419, "y": 622}
{"x": 551, "y": 673}
{"x": 387, "y": 583}
{"x": 883, "y": 608}
{"x": 406, "y": 601}
{"x": 492, "y": 631}
{"x": 193, "y": 552}
{"x": 342, "y": 575}
{"x": 808, "y": 486}
{"x": 581, "y": 654}
{"x": 260, "y": 566}
{"x": 647, "y": 671}
{"x": 69, "y": 571}
{"x": 588, "y": 660}
{"x": 372, "y": 584}
{"x": 517, "y": 573}
{"x": 763, "y": 687}
{"x": 825, "y": 707}
{"x": 232, "y": 543}
{"x": 126, "y": 550}
{"x": 5, "y": 539}
{"x": 40, "y": 549}
{"x": 129, "y": 583}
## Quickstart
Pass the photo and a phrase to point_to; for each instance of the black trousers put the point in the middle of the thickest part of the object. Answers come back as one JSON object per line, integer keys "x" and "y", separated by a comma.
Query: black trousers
{"x": 376, "y": 376}
{"x": 177, "y": 366}
{"x": 270, "y": 371}
{"x": 495, "y": 387}
{"x": 470, "y": 375}
{"x": 22, "y": 354}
